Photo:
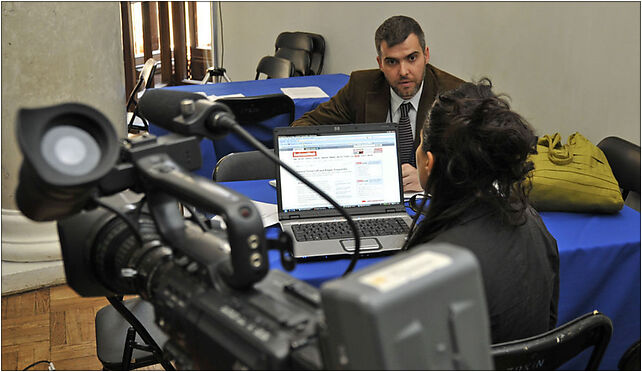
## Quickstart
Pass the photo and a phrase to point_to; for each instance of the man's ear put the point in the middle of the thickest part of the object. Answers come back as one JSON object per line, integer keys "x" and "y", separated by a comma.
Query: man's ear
{"x": 427, "y": 54}
{"x": 379, "y": 61}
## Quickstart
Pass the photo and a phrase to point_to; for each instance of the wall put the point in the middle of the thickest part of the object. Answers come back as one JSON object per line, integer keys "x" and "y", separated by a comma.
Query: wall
{"x": 55, "y": 52}
{"x": 567, "y": 66}
{"x": 52, "y": 52}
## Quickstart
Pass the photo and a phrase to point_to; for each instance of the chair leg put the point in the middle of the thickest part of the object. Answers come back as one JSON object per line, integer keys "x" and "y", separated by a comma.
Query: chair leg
{"x": 130, "y": 340}
{"x": 137, "y": 326}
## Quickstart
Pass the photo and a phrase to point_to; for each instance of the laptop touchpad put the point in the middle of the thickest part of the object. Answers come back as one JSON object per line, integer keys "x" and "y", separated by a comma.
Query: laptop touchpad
{"x": 367, "y": 244}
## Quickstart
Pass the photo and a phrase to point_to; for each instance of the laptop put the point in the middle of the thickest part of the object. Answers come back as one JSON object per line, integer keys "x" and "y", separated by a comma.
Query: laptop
{"x": 358, "y": 166}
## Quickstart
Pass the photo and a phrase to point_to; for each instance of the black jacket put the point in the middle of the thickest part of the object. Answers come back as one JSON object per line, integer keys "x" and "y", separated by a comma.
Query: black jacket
{"x": 520, "y": 269}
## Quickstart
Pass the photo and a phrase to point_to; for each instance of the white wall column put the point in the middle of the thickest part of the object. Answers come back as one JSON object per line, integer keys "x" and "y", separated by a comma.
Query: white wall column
{"x": 52, "y": 52}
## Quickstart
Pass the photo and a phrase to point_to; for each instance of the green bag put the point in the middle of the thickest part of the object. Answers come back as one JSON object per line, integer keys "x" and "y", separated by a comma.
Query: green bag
{"x": 575, "y": 177}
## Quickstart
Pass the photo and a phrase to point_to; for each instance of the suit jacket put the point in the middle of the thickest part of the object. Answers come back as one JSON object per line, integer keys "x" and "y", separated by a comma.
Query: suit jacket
{"x": 366, "y": 99}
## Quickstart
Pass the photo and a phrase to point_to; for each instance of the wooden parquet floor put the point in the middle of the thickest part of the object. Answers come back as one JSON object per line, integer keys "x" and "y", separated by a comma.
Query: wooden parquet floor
{"x": 52, "y": 324}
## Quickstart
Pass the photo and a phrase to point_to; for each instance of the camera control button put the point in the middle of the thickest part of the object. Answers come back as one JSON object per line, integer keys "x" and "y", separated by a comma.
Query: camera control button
{"x": 253, "y": 241}
{"x": 245, "y": 212}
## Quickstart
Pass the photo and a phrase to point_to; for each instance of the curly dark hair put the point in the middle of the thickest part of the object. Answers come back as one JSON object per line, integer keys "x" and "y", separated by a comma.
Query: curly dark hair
{"x": 480, "y": 149}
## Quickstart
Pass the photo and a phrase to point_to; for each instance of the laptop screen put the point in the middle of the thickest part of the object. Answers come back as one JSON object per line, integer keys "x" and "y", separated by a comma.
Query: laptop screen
{"x": 357, "y": 167}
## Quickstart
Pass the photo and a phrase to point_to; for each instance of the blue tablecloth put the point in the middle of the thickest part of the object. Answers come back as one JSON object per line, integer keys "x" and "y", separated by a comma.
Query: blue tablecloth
{"x": 599, "y": 268}
{"x": 330, "y": 84}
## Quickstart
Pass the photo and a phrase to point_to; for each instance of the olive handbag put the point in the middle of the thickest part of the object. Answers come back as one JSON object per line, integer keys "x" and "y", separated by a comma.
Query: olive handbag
{"x": 572, "y": 177}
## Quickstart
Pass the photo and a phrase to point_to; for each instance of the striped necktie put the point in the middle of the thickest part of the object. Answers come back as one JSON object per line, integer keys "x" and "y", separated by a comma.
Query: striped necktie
{"x": 406, "y": 143}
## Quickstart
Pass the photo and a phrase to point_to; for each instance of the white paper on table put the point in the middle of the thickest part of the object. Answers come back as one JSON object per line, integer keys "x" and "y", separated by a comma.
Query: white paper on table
{"x": 304, "y": 92}
{"x": 215, "y": 97}
{"x": 268, "y": 211}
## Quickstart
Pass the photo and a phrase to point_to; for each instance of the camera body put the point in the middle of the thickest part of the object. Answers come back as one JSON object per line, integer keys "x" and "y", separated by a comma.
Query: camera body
{"x": 416, "y": 310}
{"x": 211, "y": 288}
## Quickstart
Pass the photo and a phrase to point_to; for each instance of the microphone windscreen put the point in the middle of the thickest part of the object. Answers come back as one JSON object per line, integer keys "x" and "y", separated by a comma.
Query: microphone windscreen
{"x": 161, "y": 106}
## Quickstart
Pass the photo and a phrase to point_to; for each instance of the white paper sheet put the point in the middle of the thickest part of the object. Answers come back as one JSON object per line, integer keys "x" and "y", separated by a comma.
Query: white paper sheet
{"x": 304, "y": 92}
{"x": 215, "y": 97}
{"x": 268, "y": 211}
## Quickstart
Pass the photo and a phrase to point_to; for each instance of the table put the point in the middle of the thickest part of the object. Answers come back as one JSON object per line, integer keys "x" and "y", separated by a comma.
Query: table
{"x": 599, "y": 268}
{"x": 330, "y": 84}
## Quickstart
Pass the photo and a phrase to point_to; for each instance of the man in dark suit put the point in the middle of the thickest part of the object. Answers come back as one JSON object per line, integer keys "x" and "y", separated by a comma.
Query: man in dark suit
{"x": 382, "y": 95}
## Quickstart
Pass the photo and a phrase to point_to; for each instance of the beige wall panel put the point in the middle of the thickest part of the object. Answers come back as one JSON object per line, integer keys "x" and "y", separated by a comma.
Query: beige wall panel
{"x": 56, "y": 52}
{"x": 568, "y": 67}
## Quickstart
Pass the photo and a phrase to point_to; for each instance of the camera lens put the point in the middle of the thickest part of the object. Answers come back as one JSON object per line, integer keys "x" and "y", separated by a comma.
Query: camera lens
{"x": 115, "y": 248}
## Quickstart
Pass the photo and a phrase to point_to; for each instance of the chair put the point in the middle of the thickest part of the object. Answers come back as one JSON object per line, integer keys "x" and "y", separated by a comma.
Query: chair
{"x": 624, "y": 159}
{"x": 630, "y": 360}
{"x": 552, "y": 349}
{"x": 244, "y": 166}
{"x": 274, "y": 67}
{"x": 296, "y": 47}
{"x": 145, "y": 80}
{"x": 318, "y": 53}
{"x": 119, "y": 344}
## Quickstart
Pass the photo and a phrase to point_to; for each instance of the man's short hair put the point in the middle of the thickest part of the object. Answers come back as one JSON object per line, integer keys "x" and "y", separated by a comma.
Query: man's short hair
{"x": 395, "y": 30}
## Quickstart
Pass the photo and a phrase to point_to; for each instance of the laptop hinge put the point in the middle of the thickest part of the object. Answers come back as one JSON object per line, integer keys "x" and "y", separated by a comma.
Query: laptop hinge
{"x": 294, "y": 216}
{"x": 391, "y": 210}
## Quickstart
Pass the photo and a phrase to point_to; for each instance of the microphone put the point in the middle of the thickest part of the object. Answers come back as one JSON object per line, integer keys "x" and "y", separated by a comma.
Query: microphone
{"x": 161, "y": 106}
{"x": 166, "y": 109}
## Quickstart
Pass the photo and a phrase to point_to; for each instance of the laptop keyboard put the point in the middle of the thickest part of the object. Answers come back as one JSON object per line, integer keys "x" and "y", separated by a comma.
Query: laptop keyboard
{"x": 340, "y": 229}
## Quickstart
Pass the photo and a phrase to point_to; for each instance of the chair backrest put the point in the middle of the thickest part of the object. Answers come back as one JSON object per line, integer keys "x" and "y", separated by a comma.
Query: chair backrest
{"x": 624, "y": 159}
{"x": 297, "y": 47}
{"x": 145, "y": 80}
{"x": 274, "y": 67}
{"x": 243, "y": 166}
{"x": 550, "y": 350}
{"x": 300, "y": 59}
{"x": 147, "y": 73}
{"x": 294, "y": 40}
{"x": 318, "y": 53}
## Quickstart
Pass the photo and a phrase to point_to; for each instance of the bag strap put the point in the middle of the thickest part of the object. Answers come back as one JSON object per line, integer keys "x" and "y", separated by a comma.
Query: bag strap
{"x": 557, "y": 153}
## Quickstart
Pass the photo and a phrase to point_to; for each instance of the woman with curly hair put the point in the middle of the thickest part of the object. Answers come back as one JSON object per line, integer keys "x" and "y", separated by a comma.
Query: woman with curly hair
{"x": 472, "y": 160}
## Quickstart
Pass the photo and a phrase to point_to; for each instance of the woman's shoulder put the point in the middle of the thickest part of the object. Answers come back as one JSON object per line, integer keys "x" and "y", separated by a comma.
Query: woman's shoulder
{"x": 482, "y": 225}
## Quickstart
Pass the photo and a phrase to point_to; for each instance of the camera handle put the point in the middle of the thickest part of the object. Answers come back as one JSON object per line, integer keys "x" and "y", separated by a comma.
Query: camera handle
{"x": 249, "y": 260}
{"x": 285, "y": 246}
{"x": 192, "y": 115}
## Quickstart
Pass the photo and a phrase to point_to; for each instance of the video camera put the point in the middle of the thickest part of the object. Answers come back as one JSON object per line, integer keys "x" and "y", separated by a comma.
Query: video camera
{"x": 211, "y": 288}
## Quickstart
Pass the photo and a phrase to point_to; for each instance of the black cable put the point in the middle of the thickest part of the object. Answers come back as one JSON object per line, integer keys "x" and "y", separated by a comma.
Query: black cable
{"x": 195, "y": 218}
{"x": 36, "y": 363}
{"x": 138, "y": 326}
{"x": 415, "y": 218}
{"x": 120, "y": 214}
{"x": 139, "y": 205}
{"x": 236, "y": 128}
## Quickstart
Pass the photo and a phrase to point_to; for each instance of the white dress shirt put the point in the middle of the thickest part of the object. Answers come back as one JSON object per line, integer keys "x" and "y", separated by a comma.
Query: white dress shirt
{"x": 395, "y": 103}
